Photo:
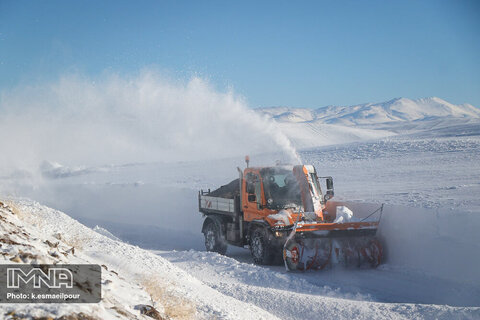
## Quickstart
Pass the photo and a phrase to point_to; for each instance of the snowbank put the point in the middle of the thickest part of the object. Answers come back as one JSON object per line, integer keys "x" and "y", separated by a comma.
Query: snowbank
{"x": 135, "y": 276}
{"x": 438, "y": 242}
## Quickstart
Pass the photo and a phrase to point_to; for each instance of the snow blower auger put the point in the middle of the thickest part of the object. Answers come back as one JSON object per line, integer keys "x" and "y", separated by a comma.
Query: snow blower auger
{"x": 312, "y": 245}
{"x": 280, "y": 211}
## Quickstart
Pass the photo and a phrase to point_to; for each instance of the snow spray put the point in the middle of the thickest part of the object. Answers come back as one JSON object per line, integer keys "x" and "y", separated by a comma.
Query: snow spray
{"x": 116, "y": 119}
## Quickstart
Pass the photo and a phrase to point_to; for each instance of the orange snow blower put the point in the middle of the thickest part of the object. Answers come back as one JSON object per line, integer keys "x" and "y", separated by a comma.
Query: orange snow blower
{"x": 280, "y": 211}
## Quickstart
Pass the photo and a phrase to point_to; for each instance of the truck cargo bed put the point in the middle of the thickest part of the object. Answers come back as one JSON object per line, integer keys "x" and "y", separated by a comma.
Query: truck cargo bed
{"x": 217, "y": 204}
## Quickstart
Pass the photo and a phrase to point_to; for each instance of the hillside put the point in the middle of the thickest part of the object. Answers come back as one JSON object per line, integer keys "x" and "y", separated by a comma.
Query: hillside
{"x": 343, "y": 124}
{"x": 133, "y": 280}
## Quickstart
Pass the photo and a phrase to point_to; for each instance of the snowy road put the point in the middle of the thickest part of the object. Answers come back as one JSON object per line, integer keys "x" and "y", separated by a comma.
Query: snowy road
{"x": 332, "y": 294}
{"x": 384, "y": 284}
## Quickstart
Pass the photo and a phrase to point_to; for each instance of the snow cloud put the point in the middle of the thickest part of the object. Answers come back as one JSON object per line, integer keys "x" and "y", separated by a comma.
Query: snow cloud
{"x": 115, "y": 119}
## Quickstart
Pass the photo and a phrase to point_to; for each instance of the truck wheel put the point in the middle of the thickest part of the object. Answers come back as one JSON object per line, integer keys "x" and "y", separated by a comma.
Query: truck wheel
{"x": 213, "y": 239}
{"x": 260, "y": 248}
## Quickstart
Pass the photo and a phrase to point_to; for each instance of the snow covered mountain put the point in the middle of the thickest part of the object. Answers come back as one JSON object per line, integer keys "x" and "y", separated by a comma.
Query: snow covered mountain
{"x": 398, "y": 109}
{"x": 343, "y": 124}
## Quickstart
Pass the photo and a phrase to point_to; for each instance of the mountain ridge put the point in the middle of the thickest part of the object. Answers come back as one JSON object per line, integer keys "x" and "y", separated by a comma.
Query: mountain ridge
{"x": 397, "y": 109}
{"x": 399, "y": 116}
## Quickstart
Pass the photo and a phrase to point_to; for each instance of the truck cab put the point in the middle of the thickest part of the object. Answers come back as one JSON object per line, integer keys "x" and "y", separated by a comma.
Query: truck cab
{"x": 268, "y": 190}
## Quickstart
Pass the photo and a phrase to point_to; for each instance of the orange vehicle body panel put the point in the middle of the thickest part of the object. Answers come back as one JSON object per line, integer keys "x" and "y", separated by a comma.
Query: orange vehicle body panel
{"x": 251, "y": 211}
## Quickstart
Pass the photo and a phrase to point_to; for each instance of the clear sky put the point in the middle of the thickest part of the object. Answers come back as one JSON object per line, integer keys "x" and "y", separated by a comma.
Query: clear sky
{"x": 296, "y": 53}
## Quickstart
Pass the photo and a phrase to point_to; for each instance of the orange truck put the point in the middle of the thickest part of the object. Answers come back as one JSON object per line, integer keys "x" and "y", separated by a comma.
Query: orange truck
{"x": 280, "y": 213}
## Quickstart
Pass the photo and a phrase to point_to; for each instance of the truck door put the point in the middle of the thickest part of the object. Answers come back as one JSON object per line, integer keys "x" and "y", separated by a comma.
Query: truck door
{"x": 252, "y": 204}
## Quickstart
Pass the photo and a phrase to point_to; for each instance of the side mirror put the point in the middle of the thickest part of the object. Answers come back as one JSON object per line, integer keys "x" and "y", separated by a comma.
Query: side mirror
{"x": 252, "y": 198}
{"x": 329, "y": 194}
{"x": 329, "y": 185}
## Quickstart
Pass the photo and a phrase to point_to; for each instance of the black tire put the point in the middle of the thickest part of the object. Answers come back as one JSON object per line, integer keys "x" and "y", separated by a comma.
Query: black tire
{"x": 260, "y": 248}
{"x": 278, "y": 257}
{"x": 213, "y": 239}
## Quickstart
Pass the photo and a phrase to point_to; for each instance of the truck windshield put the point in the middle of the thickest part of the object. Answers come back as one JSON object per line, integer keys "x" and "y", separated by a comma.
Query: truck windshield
{"x": 281, "y": 189}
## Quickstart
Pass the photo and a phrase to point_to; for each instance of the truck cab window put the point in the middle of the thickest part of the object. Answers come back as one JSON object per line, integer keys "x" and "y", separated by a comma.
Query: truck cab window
{"x": 281, "y": 188}
{"x": 251, "y": 182}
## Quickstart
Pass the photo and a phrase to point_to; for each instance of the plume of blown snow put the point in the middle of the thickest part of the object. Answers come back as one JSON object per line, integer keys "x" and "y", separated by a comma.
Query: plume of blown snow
{"x": 117, "y": 119}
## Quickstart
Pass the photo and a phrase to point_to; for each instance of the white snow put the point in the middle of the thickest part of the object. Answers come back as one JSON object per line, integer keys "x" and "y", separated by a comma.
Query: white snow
{"x": 344, "y": 124}
{"x": 282, "y": 216}
{"x": 343, "y": 215}
{"x": 137, "y": 269}
{"x": 436, "y": 242}
{"x": 399, "y": 109}
{"x": 105, "y": 232}
{"x": 218, "y": 286}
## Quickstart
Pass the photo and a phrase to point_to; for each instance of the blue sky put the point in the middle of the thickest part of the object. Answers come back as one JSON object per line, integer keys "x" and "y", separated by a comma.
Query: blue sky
{"x": 296, "y": 53}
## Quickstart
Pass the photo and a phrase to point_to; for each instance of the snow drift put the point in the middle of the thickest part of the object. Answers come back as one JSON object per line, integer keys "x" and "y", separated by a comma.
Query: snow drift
{"x": 438, "y": 242}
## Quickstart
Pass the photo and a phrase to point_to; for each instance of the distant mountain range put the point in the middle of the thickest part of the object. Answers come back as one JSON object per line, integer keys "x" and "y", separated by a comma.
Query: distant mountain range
{"x": 342, "y": 124}
{"x": 398, "y": 109}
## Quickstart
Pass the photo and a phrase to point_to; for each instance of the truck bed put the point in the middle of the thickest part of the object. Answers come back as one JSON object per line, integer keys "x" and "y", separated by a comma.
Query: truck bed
{"x": 224, "y": 200}
{"x": 216, "y": 204}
